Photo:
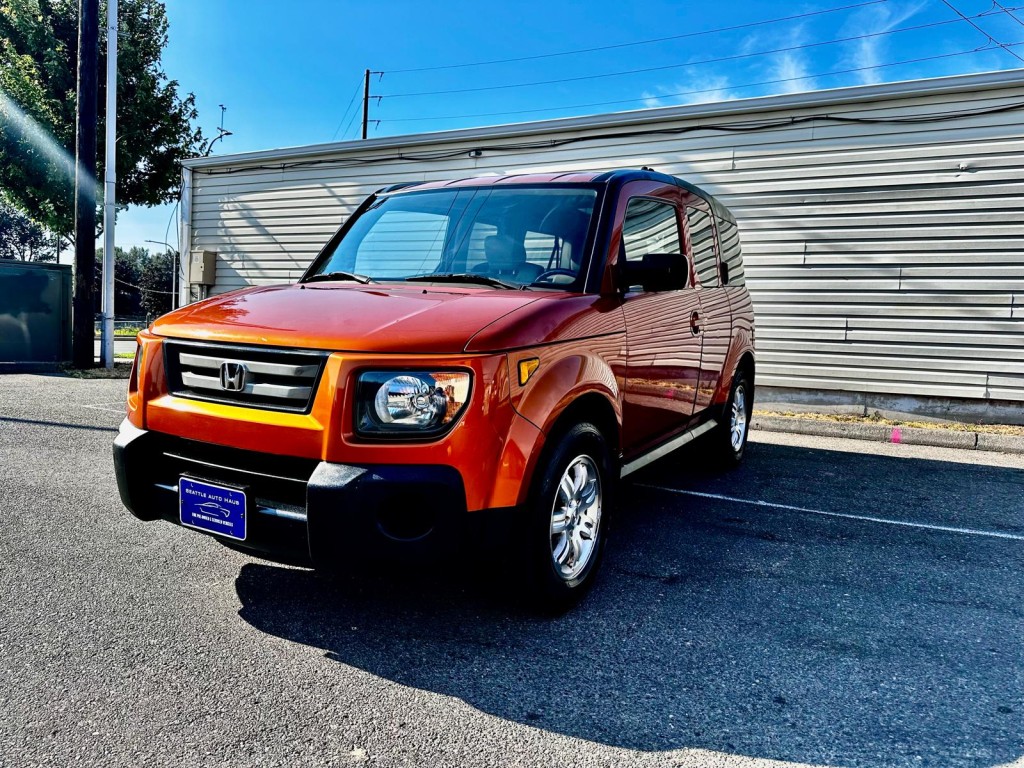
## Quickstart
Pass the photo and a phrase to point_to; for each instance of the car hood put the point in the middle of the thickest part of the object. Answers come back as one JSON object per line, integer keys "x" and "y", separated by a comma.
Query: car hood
{"x": 347, "y": 317}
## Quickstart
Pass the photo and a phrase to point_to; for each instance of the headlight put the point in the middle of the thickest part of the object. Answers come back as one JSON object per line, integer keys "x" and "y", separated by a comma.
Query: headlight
{"x": 419, "y": 403}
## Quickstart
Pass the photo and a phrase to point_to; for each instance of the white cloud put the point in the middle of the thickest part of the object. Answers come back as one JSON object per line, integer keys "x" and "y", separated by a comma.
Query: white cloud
{"x": 789, "y": 69}
{"x": 698, "y": 91}
{"x": 869, "y": 52}
{"x": 651, "y": 99}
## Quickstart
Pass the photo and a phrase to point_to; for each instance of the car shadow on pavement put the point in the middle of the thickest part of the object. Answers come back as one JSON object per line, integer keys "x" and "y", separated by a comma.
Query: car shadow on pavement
{"x": 760, "y": 632}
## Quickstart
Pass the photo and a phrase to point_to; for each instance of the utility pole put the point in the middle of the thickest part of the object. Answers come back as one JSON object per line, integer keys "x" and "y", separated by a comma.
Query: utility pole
{"x": 109, "y": 189}
{"x": 366, "y": 100}
{"x": 85, "y": 184}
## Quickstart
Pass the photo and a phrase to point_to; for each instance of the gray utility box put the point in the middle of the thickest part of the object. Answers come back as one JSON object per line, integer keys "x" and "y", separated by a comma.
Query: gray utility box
{"x": 202, "y": 268}
{"x": 35, "y": 312}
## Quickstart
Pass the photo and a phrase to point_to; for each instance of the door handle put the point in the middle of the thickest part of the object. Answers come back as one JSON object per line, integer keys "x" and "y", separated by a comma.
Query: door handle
{"x": 695, "y": 323}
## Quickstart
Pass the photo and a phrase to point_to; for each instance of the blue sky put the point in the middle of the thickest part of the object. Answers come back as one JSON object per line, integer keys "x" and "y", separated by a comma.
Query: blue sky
{"x": 287, "y": 71}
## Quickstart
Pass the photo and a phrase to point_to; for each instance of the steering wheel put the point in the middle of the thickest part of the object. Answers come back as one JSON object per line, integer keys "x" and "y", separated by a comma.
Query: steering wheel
{"x": 544, "y": 277}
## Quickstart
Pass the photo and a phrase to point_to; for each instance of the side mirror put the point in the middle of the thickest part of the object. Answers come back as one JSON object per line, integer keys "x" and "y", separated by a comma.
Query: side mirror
{"x": 723, "y": 272}
{"x": 656, "y": 272}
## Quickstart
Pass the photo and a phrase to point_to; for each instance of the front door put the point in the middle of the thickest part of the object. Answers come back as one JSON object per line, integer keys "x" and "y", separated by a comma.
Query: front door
{"x": 662, "y": 328}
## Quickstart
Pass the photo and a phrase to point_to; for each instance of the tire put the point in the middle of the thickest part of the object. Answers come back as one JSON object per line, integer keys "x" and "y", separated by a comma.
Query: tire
{"x": 729, "y": 439}
{"x": 567, "y": 520}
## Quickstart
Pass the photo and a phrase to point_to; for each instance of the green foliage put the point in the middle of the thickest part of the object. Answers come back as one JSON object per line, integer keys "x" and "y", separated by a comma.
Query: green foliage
{"x": 38, "y": 52}
{"x": 156, "y": 281}
{"x": 20, "y": 238}
{"x": 142, "y": 282}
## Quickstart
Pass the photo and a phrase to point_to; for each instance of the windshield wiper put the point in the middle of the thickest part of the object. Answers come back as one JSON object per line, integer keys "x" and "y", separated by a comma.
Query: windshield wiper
{"x": 464, "y": 277}
{"x": 364, "y": 279}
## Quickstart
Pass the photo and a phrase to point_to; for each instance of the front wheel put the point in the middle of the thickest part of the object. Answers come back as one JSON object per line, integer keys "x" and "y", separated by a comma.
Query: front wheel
{"x": 568, "y": 519}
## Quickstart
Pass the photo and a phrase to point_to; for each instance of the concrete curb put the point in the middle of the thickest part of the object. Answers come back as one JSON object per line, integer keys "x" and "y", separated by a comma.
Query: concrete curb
{"x": 942, "y": 438}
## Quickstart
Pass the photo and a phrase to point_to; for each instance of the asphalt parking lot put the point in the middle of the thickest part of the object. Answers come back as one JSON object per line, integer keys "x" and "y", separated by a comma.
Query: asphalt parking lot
{"x": 829, "y": 603}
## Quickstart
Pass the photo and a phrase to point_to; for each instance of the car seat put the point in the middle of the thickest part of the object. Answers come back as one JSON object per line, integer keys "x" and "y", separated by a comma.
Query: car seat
{"x": 506, "y": 257}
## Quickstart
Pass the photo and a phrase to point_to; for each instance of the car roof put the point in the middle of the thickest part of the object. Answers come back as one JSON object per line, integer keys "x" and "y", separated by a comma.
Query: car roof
{"x": 620, "y": 176}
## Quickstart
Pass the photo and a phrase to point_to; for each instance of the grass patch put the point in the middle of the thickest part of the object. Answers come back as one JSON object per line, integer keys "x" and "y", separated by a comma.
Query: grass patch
{"x": 955, "y": 426}
{"x": 121, "y": 370}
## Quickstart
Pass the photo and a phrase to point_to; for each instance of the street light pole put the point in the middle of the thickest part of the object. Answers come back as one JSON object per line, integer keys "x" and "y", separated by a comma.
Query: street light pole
{"x": 109, "y": 190}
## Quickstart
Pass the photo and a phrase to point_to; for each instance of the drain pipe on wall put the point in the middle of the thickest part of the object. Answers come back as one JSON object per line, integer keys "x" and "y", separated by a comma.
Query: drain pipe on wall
{"x": 184, "y": 293}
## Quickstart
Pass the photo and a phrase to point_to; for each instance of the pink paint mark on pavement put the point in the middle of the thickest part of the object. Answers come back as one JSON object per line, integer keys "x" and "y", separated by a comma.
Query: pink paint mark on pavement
{"x": 897, "y": 435}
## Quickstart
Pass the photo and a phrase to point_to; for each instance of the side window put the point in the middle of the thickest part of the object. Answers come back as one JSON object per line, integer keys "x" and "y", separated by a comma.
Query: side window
{"x": 418, "y": 236}
{"x": 731, "y": 252}
{"x": 702, "y": 240}
{"x": 540, "y": 248}
{"x": 650, "y": 226}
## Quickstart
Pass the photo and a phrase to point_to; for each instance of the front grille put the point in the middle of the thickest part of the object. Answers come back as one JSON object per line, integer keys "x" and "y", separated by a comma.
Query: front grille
{"x": 274, "y": 481}
{"x": 257, "y": 377}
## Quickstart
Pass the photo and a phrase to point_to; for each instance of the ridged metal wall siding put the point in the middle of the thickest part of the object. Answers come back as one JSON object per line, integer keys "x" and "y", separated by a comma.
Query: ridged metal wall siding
{"x": 881, "y": 257}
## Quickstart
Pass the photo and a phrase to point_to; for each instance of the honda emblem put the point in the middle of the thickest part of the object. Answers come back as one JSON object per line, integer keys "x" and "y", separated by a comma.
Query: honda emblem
{"x": 232, "y": 376}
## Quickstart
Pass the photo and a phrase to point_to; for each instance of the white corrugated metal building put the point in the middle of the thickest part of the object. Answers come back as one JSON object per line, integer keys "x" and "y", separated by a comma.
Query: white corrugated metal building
{"x": 882, "y": 225}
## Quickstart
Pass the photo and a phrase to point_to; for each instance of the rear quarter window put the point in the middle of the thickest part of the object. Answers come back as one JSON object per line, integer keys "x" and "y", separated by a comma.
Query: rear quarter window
{"x": 702, "y": 241}
{"x": 732, "y": 255}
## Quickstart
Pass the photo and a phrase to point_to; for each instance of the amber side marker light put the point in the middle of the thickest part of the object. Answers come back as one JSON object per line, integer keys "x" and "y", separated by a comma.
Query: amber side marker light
{"x": 526, "y": 369}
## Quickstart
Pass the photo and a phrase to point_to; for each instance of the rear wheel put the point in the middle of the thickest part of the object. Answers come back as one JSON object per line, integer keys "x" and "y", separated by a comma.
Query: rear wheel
{"x": 730, "y": 437}
{"x": 568, "y": 519}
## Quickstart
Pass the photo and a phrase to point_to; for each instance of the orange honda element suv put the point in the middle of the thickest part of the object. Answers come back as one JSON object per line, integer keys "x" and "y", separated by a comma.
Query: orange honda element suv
{"x": 465, "y": 364}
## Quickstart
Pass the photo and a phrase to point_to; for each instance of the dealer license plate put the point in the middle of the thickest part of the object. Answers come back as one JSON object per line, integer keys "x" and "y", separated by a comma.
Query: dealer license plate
{"x": 212, "y": 508}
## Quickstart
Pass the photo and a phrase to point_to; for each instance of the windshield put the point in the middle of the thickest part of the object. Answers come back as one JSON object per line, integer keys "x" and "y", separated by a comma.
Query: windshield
{"x": 502, "y": 237}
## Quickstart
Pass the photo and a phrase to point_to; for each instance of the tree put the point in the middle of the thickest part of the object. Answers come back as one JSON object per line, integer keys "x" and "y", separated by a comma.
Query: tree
{"x": 38, "y": 49}
{"x": 128, "y": 268}
{"x": 21, "y": 238}
{"x": 142, "y": 281}
{"x": 156, "y": 282}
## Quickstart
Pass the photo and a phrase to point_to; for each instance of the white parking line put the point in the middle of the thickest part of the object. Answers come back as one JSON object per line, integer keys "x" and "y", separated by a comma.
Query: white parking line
{"x": 105, "y": 407}
{"x": 863, "y": 518}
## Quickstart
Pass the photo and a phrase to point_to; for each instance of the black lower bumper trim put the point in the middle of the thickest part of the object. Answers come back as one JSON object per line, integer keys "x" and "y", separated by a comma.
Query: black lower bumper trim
{"x": 353, "y": 514}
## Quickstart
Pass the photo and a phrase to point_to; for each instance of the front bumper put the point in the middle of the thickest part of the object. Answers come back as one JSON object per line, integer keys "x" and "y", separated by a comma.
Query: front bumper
{"x": 303, "y": 511}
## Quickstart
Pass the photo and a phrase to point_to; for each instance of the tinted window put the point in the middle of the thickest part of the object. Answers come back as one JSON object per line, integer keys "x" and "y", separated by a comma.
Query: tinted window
{"x": 731, "y": 253}
{"x": 702, "y": 240}
{"x": 650, "y": 226}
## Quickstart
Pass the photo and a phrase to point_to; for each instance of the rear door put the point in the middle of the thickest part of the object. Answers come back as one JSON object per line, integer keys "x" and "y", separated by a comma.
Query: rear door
{"x": 715, "y": 320}
{"x": 663, "y": 348}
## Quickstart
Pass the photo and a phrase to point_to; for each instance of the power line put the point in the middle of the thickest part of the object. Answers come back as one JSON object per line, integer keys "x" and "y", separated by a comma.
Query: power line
{"x": 140, "y": 288}
{"x": 1008, "y": 11}
{"x": 170, "y": 218}
{"x": 733, "y": 57}
{"x": 649, "y": 41}
{"x": 351, "y": 101}
{"x": 350, "y": 121}
{"x": 694, "y": 92}
{"x": 982, "y": 31}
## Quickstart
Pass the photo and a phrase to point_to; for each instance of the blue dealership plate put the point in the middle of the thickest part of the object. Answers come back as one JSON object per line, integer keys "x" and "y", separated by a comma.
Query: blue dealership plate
{"x": 212, "y": 508}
